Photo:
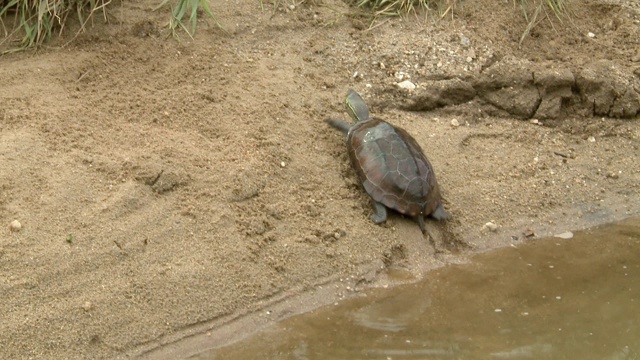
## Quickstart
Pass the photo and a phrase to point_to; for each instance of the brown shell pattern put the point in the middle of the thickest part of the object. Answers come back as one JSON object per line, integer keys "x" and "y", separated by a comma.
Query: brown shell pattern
{"x": 392, "y": 167}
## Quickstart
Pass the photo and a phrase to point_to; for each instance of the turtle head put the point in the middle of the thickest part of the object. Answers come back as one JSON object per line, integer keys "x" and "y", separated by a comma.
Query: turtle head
{"x": 356, "y": 107}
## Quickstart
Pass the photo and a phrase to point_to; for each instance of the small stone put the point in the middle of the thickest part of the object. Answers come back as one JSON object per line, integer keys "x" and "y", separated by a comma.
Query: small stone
{"x": 408, "y": 85}
{"x": 613, "y": 175}
{"x": 534, "y": 121}
{"x": 591, "y": 35}
{"x": 15, "y": 226}
{"x": 528, "y": 233}
{"x": 490, "y": 226}
{"x": 87, "y": 306}
{"x": 382, "y": 66}
{"x": 469, "y": 59}
{"x": 455, "y": 123}
{"x": 591, "y": 139}
{"x": 283, "y": 164}
{"x": 565, "y": 235}
{"x": 464, "y": 41}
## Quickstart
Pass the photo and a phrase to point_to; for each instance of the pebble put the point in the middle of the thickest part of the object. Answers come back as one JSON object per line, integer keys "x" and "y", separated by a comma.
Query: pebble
{"x": 87, "y": 306}
{"x": 591, "y": 139}
{"x": 455, "y": 123}
{"x": 283, "y": 164}
{"x": 15, "y": 226}
{"x": 591, "y": 35}
{"x": 406, "y": 85}
{"x": 490, "y": 226}
{"x": 464, "y": 41}
{"x": 565, "y": 235}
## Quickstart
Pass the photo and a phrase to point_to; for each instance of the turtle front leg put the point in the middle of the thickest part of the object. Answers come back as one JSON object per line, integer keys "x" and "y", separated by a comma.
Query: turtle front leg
{"x": 380, "y": 214}
{"x": 440, "y": 213}
{"x": 420, "y": 218}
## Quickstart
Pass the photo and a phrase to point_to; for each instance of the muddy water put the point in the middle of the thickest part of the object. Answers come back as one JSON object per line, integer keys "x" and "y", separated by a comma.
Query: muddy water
{"x": 546, "y": 299}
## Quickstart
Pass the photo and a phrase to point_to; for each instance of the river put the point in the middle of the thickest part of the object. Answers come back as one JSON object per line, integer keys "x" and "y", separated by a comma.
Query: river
{"x": 554, "y": 298}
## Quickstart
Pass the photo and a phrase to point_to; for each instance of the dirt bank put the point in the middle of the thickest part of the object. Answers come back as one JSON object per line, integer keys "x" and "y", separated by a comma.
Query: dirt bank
{"x": 167, "y": 188}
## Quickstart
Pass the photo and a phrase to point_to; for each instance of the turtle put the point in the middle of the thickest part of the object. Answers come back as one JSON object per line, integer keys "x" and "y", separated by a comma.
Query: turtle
{"x": 391, "y": 165}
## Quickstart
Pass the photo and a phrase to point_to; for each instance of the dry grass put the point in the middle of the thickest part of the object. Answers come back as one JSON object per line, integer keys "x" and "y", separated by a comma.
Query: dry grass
{"x": 533, "y": 11}
{"x": 401, "y": 7}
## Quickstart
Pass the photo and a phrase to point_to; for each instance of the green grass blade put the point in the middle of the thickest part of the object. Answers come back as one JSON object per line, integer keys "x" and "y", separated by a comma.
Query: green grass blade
{"x": 194, "y": 16}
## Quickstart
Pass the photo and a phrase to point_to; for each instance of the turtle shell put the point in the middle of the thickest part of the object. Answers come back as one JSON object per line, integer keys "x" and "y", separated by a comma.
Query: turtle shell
{"x": 392, "y": 167}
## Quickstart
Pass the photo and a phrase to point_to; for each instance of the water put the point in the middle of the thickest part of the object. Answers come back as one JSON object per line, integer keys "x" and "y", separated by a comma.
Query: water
{"x": 546, "y": 299}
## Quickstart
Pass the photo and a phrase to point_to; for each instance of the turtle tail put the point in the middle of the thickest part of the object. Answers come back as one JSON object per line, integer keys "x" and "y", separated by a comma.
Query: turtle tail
{"x": 339, "y": 124}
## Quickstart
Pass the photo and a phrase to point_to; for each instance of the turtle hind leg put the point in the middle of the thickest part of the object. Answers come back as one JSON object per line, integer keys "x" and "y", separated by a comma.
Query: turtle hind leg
{"x": 380, "y": 214}
{"x": 430, "y": 238}
{"x": 440, "y": 213}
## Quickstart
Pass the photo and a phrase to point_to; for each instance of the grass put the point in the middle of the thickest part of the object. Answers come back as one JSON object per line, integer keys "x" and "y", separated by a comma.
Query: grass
{"x": 34, "y": 22}
{"x": 39, "y": 19}
{"x": 181, "y": 9}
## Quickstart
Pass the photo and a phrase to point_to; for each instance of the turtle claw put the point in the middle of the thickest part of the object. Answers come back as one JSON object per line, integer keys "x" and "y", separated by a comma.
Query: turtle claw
{"x": 380, "y": 214}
